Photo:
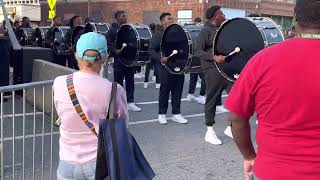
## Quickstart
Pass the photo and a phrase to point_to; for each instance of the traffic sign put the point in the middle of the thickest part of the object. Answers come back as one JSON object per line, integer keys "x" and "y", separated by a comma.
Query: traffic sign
{"x": 52, "y": 14}
{"x": 52, "y": 4}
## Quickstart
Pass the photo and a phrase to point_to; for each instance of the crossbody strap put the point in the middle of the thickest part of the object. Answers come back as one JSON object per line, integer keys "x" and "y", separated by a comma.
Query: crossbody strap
{"x": 76, "y": 104}
{"x": 112, "y": 101}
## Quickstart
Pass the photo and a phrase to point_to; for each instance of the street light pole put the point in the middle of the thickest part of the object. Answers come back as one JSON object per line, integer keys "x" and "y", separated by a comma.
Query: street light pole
{"x": 89, "y": 7}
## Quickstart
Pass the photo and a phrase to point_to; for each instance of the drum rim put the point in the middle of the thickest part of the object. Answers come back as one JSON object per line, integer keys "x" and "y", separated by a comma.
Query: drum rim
{"x": 161, "y": 49}
{"x": 214, "y": 45}
{"x": 93, "y": 24}
{"x": 251, "y": 20}
{"x": 138, "y": 40}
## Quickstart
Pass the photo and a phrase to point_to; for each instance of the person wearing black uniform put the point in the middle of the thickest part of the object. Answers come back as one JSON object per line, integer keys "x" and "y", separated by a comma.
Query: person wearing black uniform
{"x": 153, "y": 64}
{"x": 74, "y": 22}
{"x": 25, "y": 23}
{"x": 193, "y": 82}
{"x": 121, "y": 71}
{"x": 215, "y": 83}
{"x": 49, "y": 42}
{"x": 169, "y": 83}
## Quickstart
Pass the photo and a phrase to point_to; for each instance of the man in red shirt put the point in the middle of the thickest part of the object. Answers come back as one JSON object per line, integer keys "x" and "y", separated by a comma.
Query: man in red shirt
{"x": 281, "y": 84}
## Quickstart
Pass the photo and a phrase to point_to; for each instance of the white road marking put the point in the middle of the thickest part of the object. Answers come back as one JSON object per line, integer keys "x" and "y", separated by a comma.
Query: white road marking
{"x": 19, "y": 115}
{"x": 131, "y": 123}
{"x": 156, "y": 102}
{"x": 155, "y": 120}
{"x": 30, "y": 136}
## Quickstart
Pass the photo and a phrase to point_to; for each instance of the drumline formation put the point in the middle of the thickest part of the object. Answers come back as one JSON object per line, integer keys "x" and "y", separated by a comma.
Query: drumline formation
{"x": 37, "y": 36}
{"x": 236, "y": 39}
{"x": 178, "y": 40}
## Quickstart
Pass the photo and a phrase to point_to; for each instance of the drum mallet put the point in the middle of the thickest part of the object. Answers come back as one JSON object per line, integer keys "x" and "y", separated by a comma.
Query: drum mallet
{"x": 236, "y": 50}
{"x": 123, "y": 46}
{"x": 174, "y": 52}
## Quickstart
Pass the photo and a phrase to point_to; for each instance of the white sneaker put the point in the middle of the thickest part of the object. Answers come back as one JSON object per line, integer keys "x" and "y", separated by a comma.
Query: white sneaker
{"x": 211, "y": 137}
{"x": 133, "y": 107}
{"x": 222, "y": 109}
{"x": 145, "y": 85}
{"x": 58, "y": 122}
{"x": 162, "y": 119}
{"x": 179, "y": 119}
{"x": 190, "y": 97}
{"x": 228, "y": 132}
{"x": 201, "y": 100}
{"x": 137, "y": 76}
{"x": 141, "y": 75}
{"x": 157, "y": 86}
{"x": 198, "y": 85}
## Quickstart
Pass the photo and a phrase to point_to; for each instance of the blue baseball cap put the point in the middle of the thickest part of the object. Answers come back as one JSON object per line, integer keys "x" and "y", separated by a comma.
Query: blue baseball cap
{"x": 92, "y": 42}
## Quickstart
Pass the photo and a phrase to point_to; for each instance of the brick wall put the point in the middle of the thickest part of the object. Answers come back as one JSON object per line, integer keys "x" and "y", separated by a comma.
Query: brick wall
{"x": 135, "y": 8}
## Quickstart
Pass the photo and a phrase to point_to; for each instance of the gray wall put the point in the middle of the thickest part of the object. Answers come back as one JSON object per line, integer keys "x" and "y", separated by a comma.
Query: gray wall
{"x": 41, "y": 71}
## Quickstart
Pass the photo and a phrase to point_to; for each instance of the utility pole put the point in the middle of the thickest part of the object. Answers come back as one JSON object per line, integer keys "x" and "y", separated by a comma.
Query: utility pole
{"x": 89, "y": 7}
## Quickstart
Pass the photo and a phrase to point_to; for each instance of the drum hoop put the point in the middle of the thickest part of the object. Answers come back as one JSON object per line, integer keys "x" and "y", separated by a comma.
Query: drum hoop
{"x": 95, "y": 27}
{"x": 266, "y": 43}
{"x": 189, "y": 55}
{"x": 214, "y": 47}
{"x": 261, "y": 32}
{"x": 277, "y": 27}
{"x": 138, "y": 40}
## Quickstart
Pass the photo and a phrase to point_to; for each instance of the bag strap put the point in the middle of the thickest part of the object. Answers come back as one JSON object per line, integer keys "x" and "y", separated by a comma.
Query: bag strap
{"x": 113, "y": 131}
{"x": 112, "y": 101}
{"x": 76, "y": 104}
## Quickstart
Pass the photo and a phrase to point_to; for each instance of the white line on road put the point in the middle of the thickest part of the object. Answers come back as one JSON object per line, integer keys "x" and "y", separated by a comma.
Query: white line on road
{"x": 19, "y": 115}
{"x": 131, "y": 123}
{"x": 155, "y": 120}
{"x": 156, "y": 102}
{"x": 30, "y": 136}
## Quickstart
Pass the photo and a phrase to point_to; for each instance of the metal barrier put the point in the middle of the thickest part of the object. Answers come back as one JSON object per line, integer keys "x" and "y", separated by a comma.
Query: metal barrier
{"x": 29, "y": 140}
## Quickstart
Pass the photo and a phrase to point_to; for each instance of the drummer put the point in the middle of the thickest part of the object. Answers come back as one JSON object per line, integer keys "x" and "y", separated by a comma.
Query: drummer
{"x": 169, "y": 83}
{"x": 193, "y": 82}
{"x": 215, "y": 83}
{"x": 49, "y": 42}
{"x": 121, "y": 71}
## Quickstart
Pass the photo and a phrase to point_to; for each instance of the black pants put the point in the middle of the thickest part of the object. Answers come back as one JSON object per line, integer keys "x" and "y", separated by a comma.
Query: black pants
{"x": 60, "y": 59}
{"x": 122, "y": 72}
{"x": 137, "y": 69}
{"x": 215, "y": 85}
{"x": 193, "y": 83}
{"x": 170, "y": 83}
{"x": 156, "y": 71}
{"x": 72, "y": 62}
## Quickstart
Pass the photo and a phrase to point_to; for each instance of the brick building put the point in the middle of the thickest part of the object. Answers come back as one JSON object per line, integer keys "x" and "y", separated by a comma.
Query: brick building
{"x": 147, "y": 11}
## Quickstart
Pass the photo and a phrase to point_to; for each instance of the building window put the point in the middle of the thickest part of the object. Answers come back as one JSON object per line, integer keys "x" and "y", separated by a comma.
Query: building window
{"x": 184, "y": 16}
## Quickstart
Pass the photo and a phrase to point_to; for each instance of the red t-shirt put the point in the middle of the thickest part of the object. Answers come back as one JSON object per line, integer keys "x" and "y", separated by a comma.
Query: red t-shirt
{"x": 282, "y": 85}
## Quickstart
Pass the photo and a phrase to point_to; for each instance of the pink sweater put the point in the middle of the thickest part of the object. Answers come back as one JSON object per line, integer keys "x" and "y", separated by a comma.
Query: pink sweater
{"x": 78, "y": 145}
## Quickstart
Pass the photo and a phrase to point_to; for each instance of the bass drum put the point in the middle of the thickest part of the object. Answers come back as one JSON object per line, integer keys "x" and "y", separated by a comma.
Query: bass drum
{"x": 101, "y": 28}
{"x": 182, "y": 39}
{"x": 39, "y": 37}
{"x": 137, "y": 38}
{"x": 249, "y": 34}
{"x": 59, "y": 45}
{"x": 28, "y": 36}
